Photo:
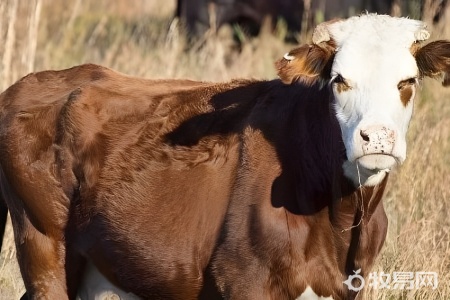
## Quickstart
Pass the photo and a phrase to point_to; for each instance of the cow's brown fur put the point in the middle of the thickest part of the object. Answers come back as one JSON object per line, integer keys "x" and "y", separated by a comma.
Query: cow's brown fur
{"x": 433, "y": 60}
{"x": 181, "y": 189}
{"x": 406, "y": 89}
{"x": 310, "y": 63}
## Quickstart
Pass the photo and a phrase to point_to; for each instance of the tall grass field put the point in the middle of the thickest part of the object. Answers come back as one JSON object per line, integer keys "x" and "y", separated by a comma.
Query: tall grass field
{"x": 140, "y": 37}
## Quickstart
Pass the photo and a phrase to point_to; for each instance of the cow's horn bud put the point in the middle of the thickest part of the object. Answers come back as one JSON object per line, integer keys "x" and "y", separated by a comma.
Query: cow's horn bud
{"x": 320, "y": 34}
{"x": 422, "y": 35}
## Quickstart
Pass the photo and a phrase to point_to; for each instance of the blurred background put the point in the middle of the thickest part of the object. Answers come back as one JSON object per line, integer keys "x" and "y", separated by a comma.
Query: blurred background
{"x": 223, "y": 39}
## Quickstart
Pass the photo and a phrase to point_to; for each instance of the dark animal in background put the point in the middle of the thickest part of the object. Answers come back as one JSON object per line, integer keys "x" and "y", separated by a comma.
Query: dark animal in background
{"x": 197, "y": 16}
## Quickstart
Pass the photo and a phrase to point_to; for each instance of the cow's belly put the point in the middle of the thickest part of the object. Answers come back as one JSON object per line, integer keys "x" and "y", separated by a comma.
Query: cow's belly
{"x": 158, "y": 242}
{"x": 151, "y": 268}
{"x": 95, "y": 286}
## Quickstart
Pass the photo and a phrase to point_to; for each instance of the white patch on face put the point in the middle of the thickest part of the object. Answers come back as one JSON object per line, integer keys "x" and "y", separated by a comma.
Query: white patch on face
{"x": 309, "y": 294}
{"x": 373, "y": 58}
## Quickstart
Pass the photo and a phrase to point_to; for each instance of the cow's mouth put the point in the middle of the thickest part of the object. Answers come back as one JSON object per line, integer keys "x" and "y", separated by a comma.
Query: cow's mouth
{"x": 377, "y": 161}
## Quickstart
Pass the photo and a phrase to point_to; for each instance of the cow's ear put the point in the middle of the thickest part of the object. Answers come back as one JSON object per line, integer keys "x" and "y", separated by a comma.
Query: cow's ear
{"x": 433, "y": 60}
{"x": 307, "y": 64}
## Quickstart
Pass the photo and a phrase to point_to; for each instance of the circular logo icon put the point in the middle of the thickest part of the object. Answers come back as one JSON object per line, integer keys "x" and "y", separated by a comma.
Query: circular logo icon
{"x": 355, "y": 277}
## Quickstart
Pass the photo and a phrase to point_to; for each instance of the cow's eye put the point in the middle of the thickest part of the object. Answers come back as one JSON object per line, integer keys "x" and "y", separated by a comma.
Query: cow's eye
{"x": 338, "y": 79}
{"x": 340, "y": 83}
{"x": 407, "y": 82}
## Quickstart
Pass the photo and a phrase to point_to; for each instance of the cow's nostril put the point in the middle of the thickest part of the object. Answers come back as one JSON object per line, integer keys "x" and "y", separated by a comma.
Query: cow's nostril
{"x": 364, "y": 136}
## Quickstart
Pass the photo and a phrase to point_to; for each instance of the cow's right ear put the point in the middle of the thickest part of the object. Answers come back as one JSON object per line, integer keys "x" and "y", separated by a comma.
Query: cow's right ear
{"x": 307, "y": 64}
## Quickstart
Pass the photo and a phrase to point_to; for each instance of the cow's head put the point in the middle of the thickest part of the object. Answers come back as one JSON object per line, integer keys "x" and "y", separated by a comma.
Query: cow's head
{"x": 372, "y": 64}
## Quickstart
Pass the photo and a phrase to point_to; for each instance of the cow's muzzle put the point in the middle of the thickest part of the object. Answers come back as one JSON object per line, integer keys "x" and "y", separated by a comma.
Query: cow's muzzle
{"x": 377, "y": 144}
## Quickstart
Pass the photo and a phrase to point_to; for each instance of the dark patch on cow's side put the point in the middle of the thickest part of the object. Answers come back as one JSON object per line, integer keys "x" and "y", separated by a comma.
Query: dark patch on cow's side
{"x": 283, "y": 192}
{"x": 307, "y": 142}
{"x": 229, "y": 111}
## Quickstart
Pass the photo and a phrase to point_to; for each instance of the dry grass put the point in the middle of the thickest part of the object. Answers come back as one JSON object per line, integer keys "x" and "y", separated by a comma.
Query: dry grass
{"x": 417, "y": 201}
{"x": 137, "y": 37}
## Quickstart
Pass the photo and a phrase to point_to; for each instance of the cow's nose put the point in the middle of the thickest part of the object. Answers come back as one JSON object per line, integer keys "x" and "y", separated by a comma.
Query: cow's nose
{"x": 377, "y": 140}
{"x": 364, "y": 135}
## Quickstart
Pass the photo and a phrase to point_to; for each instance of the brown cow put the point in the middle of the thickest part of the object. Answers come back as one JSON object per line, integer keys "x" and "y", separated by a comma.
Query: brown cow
{"x": 177, "y": 189}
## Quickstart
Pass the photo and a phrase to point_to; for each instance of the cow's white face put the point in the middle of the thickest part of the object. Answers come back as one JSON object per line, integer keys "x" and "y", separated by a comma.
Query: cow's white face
{"x": 374, "y": 78}
{"x": 373, "y": 63}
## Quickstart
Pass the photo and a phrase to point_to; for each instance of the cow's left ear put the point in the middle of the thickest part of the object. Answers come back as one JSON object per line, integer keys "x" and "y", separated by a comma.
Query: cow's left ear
{"x": 433, "y": 59}
{"x": 309, "y": 63}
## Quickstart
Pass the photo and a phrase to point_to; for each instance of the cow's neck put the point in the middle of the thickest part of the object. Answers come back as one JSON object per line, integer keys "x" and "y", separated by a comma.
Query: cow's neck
{"x": 353, "y": 223}
{"x": 359, "y": 222}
